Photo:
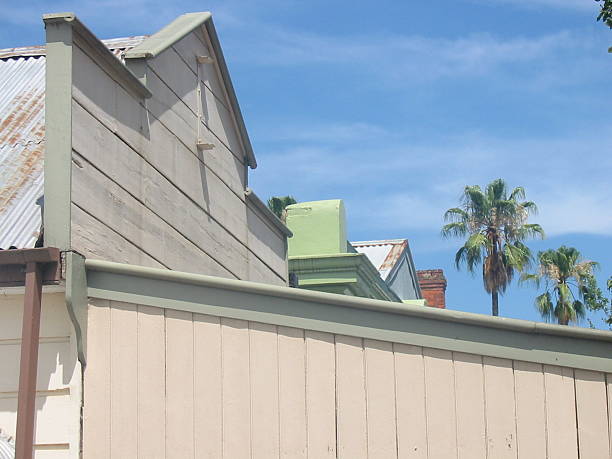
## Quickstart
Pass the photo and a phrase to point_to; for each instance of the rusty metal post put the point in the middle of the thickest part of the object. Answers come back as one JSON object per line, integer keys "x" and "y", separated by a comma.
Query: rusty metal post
{"x": 30, "y": 335}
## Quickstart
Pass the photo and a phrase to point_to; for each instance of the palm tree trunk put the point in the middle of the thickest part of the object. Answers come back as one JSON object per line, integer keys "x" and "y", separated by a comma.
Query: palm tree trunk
{"x": 495, "y": 304}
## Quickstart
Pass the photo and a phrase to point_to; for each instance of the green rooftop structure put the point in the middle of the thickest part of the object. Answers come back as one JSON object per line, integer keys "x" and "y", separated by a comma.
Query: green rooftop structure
{"x": 323, "y": 259}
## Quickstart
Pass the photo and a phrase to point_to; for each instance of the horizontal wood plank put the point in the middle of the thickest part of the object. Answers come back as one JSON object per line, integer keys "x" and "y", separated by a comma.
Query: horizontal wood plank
{"x": 114, "y": 207}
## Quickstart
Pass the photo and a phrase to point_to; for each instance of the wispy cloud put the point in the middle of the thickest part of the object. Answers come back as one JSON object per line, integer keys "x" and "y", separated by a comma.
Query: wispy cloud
{"x": 442, "y": 56}
{"x": 409, "y": 184}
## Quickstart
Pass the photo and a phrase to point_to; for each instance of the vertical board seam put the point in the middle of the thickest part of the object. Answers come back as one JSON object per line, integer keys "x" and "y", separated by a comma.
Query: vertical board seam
{"x": 137, "y": 378}
{"x": 609, "y": 427}
{"x": 222, "y": 386}
{"x": 336, "y": 392}
{"x": 484, "y": 398}
{"x": 305, "y": 355}
{"x": 278, "y": 386}
{"x": 166, "y": 382}
{"x": 455, "y": 403}
{"x": 608, "y": 384}
{"x": 576, "y": 412}
{"x": 110, "y": 378}
{"x": 365, "y": 394}
{"x": 249, "y": 337}
{"x": 193, "y": 382}
{"x": 515, "y": 410}
{"x": 425, "y": 399}
{"x": 545, "y": 409}
{"x": 395, "y": 401}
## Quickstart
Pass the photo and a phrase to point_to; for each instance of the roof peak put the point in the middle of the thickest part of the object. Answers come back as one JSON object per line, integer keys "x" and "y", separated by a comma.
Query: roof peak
{"x": 380, "y": 242}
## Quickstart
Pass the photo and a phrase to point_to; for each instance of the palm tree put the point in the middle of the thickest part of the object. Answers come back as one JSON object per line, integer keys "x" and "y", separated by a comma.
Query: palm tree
{"x": 277, "y": 205}
{"x": 563, "y": 269}
{"x": 495, "y": 224}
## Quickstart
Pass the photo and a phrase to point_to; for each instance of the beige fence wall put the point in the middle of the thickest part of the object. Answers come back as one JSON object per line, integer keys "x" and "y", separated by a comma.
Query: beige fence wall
{"x": 59, "y": 382}
{"x": 172, "y": 384}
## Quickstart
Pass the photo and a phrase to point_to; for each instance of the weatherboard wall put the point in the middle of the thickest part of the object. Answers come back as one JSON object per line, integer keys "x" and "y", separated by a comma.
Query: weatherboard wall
{"x": 143, "y": 193}
{"x": 169, "y": 383}
{"x": 58, "y": 387}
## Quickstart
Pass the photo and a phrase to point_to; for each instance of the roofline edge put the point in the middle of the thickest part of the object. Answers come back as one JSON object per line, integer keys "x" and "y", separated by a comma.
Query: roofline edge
{"x": 469, "y": 318}
{"x": 91, "y": 40}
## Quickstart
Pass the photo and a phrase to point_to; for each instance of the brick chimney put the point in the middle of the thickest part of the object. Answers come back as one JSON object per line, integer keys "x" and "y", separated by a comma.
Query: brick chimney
{"x": 433, "y": 287}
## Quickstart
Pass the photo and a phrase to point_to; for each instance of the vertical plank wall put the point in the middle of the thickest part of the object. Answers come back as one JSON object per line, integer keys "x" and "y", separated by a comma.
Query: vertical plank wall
{"x": 142, "y": 193}
{"x": 58, "y": 385}
{"x": 170, "y": 384}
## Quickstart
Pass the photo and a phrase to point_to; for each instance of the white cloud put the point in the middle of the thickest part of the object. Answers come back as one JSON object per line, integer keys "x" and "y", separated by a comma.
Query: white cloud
{"x": 279, "y": 47}
{"x": 407, "y": 185}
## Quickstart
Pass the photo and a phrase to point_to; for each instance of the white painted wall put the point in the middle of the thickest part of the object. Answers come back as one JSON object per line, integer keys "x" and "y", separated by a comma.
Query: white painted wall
{"x": 59, "y": 376}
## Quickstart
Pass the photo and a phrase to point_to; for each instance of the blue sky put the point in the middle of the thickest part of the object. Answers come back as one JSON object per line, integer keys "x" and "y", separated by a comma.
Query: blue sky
{"x": 396, "y": 106}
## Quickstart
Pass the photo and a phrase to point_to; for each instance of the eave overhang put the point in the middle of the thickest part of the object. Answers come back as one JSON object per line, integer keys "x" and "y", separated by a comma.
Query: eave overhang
{"x": 351, "y": 271}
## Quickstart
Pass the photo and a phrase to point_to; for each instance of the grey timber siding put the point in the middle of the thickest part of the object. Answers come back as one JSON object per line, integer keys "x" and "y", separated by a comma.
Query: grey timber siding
{"x": 143, "y": 193}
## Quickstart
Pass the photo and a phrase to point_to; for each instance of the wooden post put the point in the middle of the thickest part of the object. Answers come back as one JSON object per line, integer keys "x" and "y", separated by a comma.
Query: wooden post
{"x": 30, "y": 333}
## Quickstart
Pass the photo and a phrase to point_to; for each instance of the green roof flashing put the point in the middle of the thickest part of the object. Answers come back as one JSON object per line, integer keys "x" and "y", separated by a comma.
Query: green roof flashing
{"x": 420, "y": 302}
{"x": 351, "y": 273}
{"x": 170, "y": 34}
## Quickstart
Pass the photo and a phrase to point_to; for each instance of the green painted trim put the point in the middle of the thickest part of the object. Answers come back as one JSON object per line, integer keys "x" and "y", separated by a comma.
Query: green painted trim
{"x": 354, "y": 270}
{"x": 381, "y": 320}
{"x": 175, "y": 31}
{"x": 58, "y": 133}
{"x": 420, "y": 302}
{"x": 168, "y": 35}
{"x": 76, "y": 300}
{"x": 258, "y": 204}
{"x": 101, "y": 54}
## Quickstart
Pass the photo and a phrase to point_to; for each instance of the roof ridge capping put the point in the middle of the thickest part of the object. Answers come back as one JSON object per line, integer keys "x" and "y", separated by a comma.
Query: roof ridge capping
{"x": 168, "y": 35}
{"x": 96, "y": 46}
{"x": 175, "y": 31}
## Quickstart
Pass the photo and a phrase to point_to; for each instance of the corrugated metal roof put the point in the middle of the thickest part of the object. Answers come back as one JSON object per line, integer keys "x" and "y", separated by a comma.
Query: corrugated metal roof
{"x": 22, "y": 138}
{"x": 383, "y": 254}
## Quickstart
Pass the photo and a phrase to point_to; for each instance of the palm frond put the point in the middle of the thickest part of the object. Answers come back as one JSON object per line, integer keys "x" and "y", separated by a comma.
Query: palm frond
{"x": 529, "y": 278}
{"x": 455, "y": 229}
{"x": 456, "y": 214}
{"x": 545, "y": 306}
{"x": 517, "y": 193}
{"x": 530, "y": 230}
{"x": 472, "y": 251}
{"x": 530, "y": 207}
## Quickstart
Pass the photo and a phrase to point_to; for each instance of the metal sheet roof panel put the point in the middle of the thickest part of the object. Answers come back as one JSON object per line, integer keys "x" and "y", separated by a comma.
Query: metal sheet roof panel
{"x": 383, "y": 254}
{"x": 22, "y": 139}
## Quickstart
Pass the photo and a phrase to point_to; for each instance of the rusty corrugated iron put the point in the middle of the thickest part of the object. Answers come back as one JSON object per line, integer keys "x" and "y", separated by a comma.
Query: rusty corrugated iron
{"x": 383, "y": 254}
{"x": 22, "y": 139}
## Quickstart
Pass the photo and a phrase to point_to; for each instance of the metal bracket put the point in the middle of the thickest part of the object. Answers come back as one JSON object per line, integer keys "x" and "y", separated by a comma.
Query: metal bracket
{"x": 202, "y": 145}
{"x": 205, "y": 59}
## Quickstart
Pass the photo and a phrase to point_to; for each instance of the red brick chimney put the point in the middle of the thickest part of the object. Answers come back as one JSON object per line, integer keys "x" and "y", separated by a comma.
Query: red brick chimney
{"x": 433, "y": 287}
